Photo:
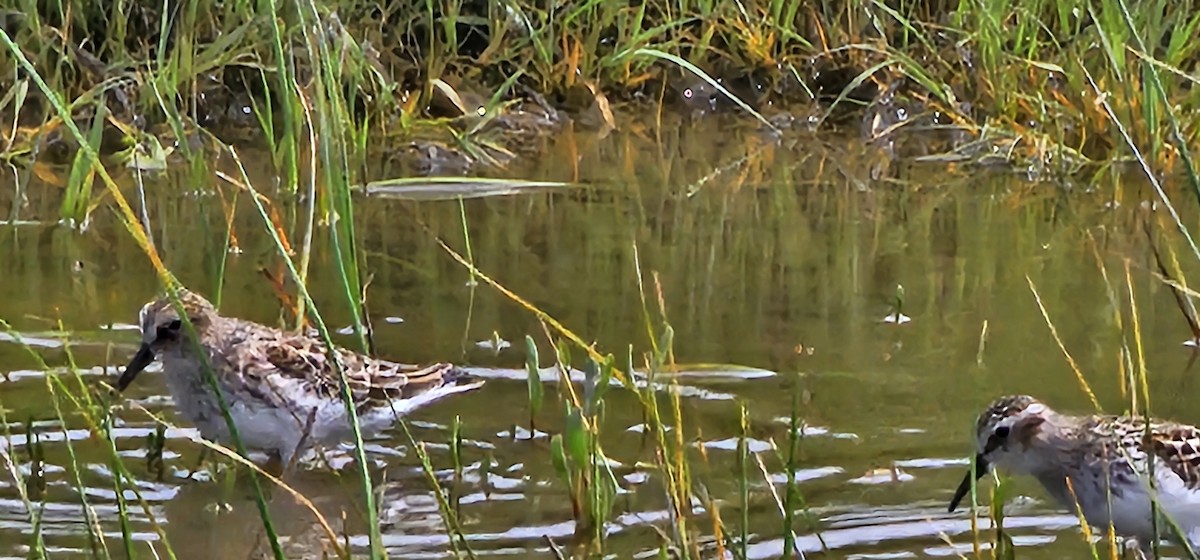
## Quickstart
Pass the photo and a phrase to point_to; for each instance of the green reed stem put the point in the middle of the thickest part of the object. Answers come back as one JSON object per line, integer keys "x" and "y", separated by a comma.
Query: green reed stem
{"x": 447, "y": 513}
{"x": 377, "y": 550}
{"x": 214, "y": 386}
{"x": 471, "y": 283}
{"x": 310, "y": 215}
{"x": 38, "y": 547}
{"x": 790, "y": 492}
{"x": 743, "y": 452}
{"x": 331, "y": 115}
{"x": 119, "y": 490}
{"x": 95, "y": 536}
{"x": 52, "y": 381}
{"x": 223, "y": 260}
{"x": 289, "y": 98}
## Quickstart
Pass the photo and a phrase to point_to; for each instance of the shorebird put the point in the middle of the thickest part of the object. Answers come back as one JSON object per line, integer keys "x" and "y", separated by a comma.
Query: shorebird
{"x": 1099, "y": 465}
{"x": 281, "y": 388}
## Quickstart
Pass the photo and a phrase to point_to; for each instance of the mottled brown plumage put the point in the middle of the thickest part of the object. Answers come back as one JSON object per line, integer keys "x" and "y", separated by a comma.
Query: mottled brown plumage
{"x": 1103, "y": 457}
{"x": 282, "y": 388}
{"x": 1178, "y": 445}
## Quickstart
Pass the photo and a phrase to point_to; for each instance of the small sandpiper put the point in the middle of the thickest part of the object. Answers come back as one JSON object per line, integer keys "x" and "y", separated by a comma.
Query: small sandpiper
{"x": 1106, "y": 460}
{"x": 281, "y": 388}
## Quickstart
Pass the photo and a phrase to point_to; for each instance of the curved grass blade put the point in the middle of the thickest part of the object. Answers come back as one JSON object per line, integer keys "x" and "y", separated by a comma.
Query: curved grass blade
{"x": 707, "y": 79}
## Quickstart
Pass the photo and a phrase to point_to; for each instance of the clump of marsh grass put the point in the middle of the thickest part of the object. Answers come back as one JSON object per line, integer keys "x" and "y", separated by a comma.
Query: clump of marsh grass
{"x": 1159, "y": 123}
{"x": 586, "y": 470}
{"x": 318, "y": 79}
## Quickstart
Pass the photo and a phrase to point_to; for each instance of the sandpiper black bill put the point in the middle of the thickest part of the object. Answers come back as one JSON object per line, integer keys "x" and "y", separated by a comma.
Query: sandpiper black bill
{"x": 143, "y": 358}
{"x": 964, "y": 487}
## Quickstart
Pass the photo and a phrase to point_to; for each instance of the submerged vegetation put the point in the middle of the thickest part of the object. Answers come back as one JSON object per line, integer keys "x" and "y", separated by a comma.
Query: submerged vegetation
{"x": 332, "y": 88}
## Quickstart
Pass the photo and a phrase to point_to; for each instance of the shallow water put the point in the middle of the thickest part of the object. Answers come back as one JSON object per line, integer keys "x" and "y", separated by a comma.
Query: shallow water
{"x": 786, "y": 263}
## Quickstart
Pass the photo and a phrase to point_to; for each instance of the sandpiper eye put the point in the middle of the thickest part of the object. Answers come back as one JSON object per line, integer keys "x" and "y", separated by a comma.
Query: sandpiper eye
{"x": 1001, "y": 432}
{"x": 169, "y": 331}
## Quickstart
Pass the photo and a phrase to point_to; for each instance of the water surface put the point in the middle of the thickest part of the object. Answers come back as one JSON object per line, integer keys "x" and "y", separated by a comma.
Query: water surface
{"x": 780, "y": 255}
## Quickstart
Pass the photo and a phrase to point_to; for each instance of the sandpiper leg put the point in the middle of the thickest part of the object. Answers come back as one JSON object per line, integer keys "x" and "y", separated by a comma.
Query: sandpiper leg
{"x": 199, "y": 463}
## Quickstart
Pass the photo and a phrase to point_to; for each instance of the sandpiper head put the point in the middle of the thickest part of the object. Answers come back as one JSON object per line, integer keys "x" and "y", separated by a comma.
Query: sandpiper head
{"x": 163, "y": 329}
{"x": 1003, "y": 433}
